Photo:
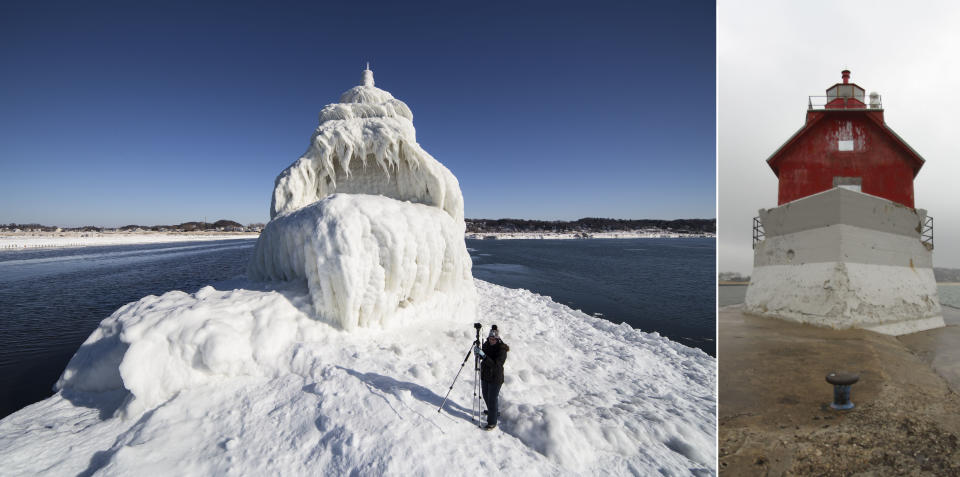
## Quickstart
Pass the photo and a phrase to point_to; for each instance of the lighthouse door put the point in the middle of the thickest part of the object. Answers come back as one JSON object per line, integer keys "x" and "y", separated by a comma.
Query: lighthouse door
{"x": 849, "y": 183}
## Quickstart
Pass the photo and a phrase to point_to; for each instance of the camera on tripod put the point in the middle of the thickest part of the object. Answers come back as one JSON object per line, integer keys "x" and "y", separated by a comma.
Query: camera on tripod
{"x": 476, "y": 384}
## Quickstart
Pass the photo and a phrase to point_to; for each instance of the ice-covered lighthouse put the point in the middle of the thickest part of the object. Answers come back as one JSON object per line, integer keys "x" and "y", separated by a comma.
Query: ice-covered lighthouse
{"x": 845, "y": 247}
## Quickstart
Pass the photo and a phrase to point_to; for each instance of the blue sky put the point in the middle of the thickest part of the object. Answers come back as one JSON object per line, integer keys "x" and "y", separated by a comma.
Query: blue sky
{"x": 121, "y": 112}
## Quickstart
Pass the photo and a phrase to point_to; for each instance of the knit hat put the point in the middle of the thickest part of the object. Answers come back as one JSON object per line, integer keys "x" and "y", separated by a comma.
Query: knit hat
{"x": 494, "y": 334}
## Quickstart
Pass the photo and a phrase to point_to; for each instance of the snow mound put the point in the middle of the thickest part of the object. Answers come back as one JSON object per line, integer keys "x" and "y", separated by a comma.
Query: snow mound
{"x": 367, "y": 144}
{"x": 367, "y": 258}
{"x": 242, "y": 380}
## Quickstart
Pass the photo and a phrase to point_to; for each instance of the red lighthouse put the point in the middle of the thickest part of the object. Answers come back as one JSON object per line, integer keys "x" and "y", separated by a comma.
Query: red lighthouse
{"x": 845, "y": 247}
{"x": 845, "y": 143}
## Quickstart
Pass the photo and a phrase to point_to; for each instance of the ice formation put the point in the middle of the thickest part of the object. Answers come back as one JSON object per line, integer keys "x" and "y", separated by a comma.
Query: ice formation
{"x": 366, "y": 258}
{"x": 371, "y": 221}
{"x": 366, "y": 144}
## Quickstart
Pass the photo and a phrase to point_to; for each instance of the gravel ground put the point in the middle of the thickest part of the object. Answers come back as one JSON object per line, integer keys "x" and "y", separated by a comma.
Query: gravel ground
{"x": 775, "y": 417}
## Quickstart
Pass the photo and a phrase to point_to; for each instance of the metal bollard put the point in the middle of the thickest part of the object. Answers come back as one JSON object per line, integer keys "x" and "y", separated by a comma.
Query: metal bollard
{"x": 841, "y": 389}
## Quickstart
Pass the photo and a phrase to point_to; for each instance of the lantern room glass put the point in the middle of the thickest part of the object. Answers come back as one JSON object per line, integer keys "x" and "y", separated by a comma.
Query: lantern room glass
{"x": 845, "y": 91}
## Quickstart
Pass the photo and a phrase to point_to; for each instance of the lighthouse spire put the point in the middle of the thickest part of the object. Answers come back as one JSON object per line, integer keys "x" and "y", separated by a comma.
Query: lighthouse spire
{"x": 368, "y": 76}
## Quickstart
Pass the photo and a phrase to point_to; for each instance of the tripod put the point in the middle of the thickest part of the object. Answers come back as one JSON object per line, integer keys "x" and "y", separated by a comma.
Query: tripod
{"x": 475, "y": 408}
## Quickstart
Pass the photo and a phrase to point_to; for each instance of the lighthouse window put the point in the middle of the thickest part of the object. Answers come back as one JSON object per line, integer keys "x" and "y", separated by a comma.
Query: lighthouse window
{"x": 845, "y": 91}
{"x": 849, "y": 183}
{"x": 845, "y": 144}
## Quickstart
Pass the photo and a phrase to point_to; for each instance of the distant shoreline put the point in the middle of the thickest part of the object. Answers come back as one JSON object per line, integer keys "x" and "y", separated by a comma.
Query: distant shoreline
{"x": 578, "y": 236}
{"x": 34, "y": 240}
{"x": 727, "y": 283}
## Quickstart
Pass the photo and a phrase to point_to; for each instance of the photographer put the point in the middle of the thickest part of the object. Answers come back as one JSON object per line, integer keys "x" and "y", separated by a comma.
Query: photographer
{"x": 493, "y": 354}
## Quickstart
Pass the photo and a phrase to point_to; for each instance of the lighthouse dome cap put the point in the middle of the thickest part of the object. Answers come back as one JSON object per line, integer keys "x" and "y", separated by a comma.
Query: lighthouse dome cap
{"x": 365, "y": 101}
{"x": 366, "y": 144}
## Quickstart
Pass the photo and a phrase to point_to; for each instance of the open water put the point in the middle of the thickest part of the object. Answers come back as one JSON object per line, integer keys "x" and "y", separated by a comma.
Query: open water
{"x": 52, "y": 299}
{"x": 662, "y": 285}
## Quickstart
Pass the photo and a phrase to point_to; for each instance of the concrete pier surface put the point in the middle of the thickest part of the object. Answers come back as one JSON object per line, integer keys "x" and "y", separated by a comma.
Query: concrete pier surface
{"x": 775, "y": 415}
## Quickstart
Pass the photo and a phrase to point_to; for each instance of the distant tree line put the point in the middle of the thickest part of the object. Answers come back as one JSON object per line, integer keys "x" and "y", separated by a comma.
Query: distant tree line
{"x": 946, "y": 274}
{"x": 591, "y": 225}
{"x": 192, "y": 226}
{"x": 13, "y": 226}
{"x": 220, "y": 225}
{"x": 732, "y": 277}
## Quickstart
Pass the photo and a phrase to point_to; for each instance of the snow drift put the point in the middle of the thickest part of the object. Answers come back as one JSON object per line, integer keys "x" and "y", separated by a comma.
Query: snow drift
{"x": 240, "y": 379}
{"x": 366, "y": 258}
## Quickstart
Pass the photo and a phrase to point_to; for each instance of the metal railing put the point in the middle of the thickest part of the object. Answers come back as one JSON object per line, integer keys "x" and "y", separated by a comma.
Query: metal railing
{"x": 758, "y": 233}
{"x": 820, "y": 102}
{"x": 926, "y": 232}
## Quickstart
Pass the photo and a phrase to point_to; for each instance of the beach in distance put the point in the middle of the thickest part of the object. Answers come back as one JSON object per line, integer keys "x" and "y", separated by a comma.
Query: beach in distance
{"x": 26, "y": 240}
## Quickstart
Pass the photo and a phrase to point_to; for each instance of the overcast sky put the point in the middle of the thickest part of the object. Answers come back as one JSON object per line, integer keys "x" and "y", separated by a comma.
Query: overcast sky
{"x": 772, "y": 55}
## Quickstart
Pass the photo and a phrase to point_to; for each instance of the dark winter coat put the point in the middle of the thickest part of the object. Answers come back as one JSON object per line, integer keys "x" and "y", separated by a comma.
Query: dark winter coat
{"x": 491, "y": 368}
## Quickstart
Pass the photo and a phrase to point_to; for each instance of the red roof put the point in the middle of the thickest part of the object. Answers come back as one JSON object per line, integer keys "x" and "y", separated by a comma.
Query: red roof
{"x": 774, "y": 158}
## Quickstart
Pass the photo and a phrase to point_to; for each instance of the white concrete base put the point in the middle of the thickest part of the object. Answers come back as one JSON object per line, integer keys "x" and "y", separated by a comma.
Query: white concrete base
{"x": 884, "y": 298}
{"x": 907, "y": 327}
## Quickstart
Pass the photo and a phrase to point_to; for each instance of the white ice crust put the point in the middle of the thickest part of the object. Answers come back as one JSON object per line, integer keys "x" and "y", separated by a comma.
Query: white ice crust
{"x": 239, "y": 379}
{"x": 366, "y": 144}
{"x": 887, "y": 299}
{"x": 366, "y": 258}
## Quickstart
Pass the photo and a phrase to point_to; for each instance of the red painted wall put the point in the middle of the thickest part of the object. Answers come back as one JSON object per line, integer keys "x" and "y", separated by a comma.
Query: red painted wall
{"x": 845, "y": 103}
{"x": 809, "y": 165}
